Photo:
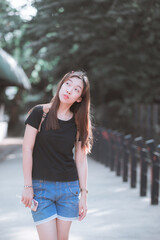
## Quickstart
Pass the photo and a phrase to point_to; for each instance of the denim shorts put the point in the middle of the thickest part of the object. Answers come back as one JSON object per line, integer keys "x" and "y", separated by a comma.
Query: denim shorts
{"x": 56, "y": 200}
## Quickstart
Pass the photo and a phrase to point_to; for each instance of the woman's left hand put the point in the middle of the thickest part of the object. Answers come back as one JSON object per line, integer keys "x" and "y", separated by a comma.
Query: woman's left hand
{"x": 82, "y": 207}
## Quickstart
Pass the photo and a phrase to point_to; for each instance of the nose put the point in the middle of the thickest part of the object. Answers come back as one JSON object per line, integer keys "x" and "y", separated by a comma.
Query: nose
{"x": 69, "y": 91}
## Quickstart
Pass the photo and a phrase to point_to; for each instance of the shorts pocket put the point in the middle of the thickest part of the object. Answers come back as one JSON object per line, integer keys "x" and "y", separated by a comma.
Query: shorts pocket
{"x": 74, "y": 188}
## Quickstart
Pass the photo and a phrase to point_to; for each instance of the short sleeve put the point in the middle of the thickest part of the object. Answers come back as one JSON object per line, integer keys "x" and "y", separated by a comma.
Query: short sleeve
{"x": 35, "y": 117}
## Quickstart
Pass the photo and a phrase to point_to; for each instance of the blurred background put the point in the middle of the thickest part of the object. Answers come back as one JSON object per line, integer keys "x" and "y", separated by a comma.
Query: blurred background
{"x": 116, "y": 42}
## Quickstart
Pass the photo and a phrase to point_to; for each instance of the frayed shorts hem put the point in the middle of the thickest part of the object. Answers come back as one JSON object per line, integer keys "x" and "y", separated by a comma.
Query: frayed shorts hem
{"x": 53, "y": 217}
{"x": 66, "y": 218}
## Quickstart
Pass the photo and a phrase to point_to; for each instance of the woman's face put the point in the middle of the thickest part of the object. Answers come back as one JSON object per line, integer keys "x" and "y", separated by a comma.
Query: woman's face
{"x": 71, "y": 90}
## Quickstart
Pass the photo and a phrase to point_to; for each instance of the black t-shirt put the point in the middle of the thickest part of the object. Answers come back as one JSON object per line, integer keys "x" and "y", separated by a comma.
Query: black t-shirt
{"x": 53, "y": 149}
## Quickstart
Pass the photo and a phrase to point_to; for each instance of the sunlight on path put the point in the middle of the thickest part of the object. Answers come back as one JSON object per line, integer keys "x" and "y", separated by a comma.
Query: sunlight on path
{"x": 115, "y": 211}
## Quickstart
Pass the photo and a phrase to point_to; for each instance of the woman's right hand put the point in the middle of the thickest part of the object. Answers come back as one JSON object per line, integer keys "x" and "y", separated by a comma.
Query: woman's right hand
{"x": 27, "y": 196}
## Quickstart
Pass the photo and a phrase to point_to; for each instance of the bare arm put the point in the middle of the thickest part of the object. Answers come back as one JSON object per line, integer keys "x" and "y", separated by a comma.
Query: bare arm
{"x": 27, "y": 149}
{"x": 82, "y": 168}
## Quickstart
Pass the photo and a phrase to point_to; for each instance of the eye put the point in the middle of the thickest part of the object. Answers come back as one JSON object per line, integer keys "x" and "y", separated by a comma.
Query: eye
{"x": 67, "y": 83}
{"x": 77, "y": 89}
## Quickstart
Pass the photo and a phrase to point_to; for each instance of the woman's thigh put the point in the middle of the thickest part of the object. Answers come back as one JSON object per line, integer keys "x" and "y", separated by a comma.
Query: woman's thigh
{"x": 55, "y": 229}
{"x": 63, "y": 228}
{"x": 48, "y": 230}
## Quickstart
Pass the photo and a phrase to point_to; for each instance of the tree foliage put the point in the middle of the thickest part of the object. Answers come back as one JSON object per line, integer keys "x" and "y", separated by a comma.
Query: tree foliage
{"x": 116, "y": 42}
{"x": 12, "y": 29}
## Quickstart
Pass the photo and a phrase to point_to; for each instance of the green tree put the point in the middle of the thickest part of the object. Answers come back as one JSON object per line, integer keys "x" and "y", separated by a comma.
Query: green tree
{"x": 116, "y": 42}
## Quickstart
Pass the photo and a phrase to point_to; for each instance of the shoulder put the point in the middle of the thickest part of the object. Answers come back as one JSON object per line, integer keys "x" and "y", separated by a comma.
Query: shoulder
{"x": 41, "y": 108}
{"x": 38, "y": 108}
{"x": 34, "y": 116}
{"x": 46, "y": 107}
{"x": 35, "y": 111}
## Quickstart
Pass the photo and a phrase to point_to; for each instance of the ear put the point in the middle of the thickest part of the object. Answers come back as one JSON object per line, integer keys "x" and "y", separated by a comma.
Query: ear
{"x": 79, "y": 99}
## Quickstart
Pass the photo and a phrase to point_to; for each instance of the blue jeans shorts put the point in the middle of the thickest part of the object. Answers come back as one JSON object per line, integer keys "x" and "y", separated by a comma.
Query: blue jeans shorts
{"x": 56, "y": 200}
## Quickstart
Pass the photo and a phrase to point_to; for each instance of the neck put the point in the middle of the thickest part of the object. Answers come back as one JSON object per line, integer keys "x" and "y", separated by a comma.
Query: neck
{"x": 64, "y": 109}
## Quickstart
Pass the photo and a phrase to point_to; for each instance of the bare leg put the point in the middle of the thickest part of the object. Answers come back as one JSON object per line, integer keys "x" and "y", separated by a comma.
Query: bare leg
{"x": 48, "y": 230}
{"x": 63, "y": 228}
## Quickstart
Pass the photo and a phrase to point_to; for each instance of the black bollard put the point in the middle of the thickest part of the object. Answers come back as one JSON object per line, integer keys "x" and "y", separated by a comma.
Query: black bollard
{"x": 143, "y": 166}
{"x": 100, "y": 146}
{"x": 150, "y": 147}
{"x": 105, "y": 146}
{"x": 95, "y": 144}
{"x": 143, "y": 172}
{"x": 119, "y": 154}
{"x": 109, "y": 147}
{"x": 155, "y": 169}
{"x": 116, "y": 154}
{"x": 112, "y": 157}
{"x": 127, "y": 144}
{"x": 140, "y": 145}
{"x": 133, "y": 168}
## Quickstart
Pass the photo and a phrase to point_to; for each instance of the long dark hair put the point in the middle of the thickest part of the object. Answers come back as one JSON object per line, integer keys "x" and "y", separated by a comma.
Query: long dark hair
{"x": 81, "y": 111}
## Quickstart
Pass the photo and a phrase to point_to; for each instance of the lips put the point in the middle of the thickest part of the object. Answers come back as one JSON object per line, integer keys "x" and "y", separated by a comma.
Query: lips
{"x": 66, "y": 96}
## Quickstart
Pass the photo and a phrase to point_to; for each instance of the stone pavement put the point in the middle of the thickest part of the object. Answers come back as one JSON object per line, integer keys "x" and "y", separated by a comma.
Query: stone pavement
{"x": 115, "y": 211}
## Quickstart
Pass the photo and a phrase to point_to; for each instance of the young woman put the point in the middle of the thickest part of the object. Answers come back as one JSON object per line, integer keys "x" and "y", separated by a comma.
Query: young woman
{"x": 52, "y": 175}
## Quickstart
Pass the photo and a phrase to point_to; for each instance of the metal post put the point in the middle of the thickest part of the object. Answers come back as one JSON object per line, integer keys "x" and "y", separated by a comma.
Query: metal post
{"x": 116, "y": 150}
{"x": 127, "y": 139}
{"x": 155, "y": 178}
{"x": 133, "y": 168}
{"x": 94, "y": 144}
{"x": 109, "y": 147}
{"x": 121, "y": 152}
{"x": 105, "y": 146}
{"x": 139, "y": 143}
{"x": 115, "y": 155}
{"x": 97, "y": 136}
{"x": 143, "y": 173}
{"x": 154, "y": 158}
{"x": 119, "y": 155}
{"x": 100, "y": 148}
{"x": 112, "y": 152}
{"x": 150, "y": 147}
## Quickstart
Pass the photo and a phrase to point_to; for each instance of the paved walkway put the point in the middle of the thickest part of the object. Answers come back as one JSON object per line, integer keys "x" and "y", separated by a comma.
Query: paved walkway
{"x": 115, "y": 212}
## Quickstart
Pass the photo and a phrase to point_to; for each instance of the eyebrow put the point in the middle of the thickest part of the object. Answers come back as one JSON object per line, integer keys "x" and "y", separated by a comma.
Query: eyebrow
{"x": 72, "y": 82}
